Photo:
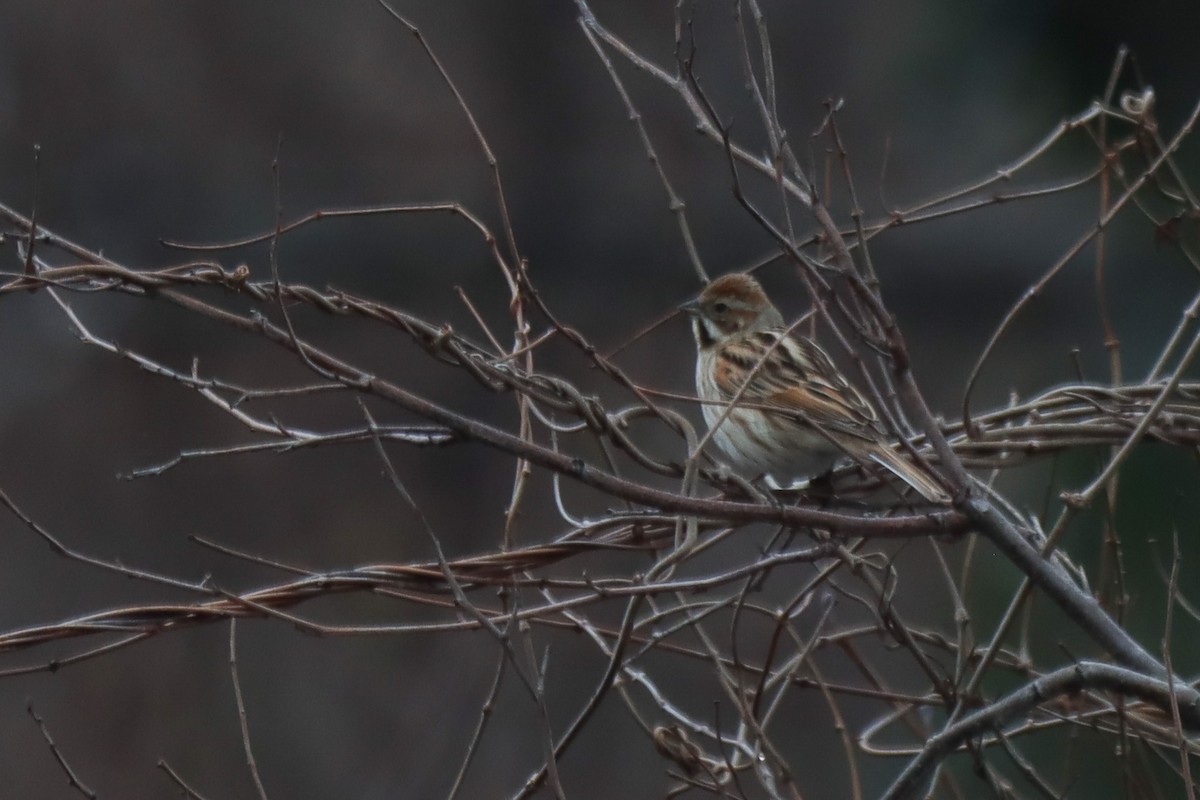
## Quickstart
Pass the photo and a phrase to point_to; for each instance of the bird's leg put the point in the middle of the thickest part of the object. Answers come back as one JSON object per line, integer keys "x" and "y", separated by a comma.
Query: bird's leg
{"x": 820, "y": 488}
{"x": 728, "y": 480}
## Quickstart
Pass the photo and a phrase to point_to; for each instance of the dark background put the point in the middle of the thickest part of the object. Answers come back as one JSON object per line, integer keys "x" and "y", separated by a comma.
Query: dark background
{"x": 161, "y": 120}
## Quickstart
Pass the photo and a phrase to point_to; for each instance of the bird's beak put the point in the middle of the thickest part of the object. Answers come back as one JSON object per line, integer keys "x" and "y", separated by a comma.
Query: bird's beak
{"x": 691, "y": 307}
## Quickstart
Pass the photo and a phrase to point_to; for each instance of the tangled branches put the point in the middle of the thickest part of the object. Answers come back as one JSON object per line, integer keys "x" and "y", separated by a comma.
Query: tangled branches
{"x": 784, "y": 602}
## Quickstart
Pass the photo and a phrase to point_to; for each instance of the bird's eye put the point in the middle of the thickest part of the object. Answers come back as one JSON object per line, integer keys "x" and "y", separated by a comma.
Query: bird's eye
{"x": 720, "y": 308}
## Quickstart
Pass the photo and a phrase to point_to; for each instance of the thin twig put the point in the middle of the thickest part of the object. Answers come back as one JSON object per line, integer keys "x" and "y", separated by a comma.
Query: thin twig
{"x": 243, "y": 720}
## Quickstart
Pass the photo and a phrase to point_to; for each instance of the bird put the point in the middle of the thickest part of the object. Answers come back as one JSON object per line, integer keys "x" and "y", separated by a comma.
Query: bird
{"x": 774, "y": 402}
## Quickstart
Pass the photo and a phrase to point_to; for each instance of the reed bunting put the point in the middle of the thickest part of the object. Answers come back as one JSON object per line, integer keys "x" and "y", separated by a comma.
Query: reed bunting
{"x": 793, "y": 413}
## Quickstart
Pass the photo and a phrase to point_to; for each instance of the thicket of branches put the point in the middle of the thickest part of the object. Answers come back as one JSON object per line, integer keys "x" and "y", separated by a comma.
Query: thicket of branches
{"x": 721, "y": 617}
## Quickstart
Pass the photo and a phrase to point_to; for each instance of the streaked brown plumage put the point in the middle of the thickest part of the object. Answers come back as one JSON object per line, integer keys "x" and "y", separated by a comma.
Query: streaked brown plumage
{"x": 796, "y": 414}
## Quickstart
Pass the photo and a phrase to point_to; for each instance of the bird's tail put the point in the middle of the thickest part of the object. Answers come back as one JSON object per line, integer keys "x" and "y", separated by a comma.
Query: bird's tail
{"x": 910, "y": 473}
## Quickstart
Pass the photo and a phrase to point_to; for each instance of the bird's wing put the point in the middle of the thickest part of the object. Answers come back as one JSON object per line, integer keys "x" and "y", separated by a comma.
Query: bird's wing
{"x": 798, "y": 378}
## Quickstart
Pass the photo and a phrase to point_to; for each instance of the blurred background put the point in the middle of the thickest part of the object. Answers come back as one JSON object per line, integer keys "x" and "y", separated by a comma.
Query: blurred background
{"x": 161, "y": 121}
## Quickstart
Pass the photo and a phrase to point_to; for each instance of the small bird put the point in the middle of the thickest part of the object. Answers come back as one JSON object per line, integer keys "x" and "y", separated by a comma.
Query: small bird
{"x": 794, "y": 414}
